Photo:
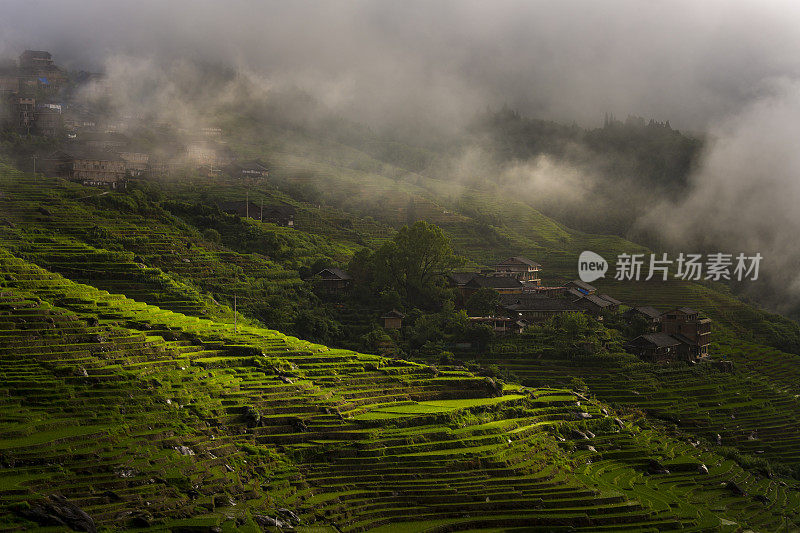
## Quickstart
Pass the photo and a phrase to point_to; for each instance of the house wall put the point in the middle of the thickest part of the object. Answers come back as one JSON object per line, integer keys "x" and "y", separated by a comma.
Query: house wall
{"x": 392, "y": 323}
{"x": 92, "y": 172}
{"x": 698, "y": 330}
{"x": 519, "y": 271}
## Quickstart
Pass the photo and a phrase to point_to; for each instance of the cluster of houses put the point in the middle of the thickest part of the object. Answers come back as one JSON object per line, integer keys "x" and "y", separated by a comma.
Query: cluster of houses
{"x": 676, "y": 334}
{"x": 109, "y": 159}
{"x": 523, "y": 298}
{"x": 37, "y": 96}
{"x": 29, "y": 90}
{"x": 680, "y": 333}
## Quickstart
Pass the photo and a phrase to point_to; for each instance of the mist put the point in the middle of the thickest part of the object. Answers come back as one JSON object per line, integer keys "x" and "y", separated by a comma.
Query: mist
{"x": 431, "y": 64}
{"x": 744, "y": 196}
{"x": 421, "y": 70}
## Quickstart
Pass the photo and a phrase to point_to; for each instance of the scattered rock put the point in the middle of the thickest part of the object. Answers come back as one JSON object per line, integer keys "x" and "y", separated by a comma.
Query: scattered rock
{"x": 578, "y": 434}
{"x": 267, "y": 521}
{"x": 289, "y": 516}
{"x": 618, "y": 422}
{"x": 703, "y": 469}
{"x": 56, "y": 510}
{"x": 126, "y": 472}
{"x": 184, "y": 450}
{"x": 590, "y": 434}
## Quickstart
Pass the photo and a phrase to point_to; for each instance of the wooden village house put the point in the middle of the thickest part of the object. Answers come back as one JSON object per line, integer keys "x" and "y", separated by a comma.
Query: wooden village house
{"x": 650, "y": 314}
{"x": 38, "y": 73}
{"x": 682, "y": 330}
{"x": 501, "y": 324}
{"x": 332, "y": 280}
{"x": 502, "y": 285}
{"x": 523, "y": 270}
{"x": 89, "y": 167}
{"x": 393, "y": 319}
{"x": 595, "y": 304}
{"x": 686, "y": 322}
{"x": 581, "y": 287}
{"x": 535, "y": 307}
{"x": 654, "y": 347}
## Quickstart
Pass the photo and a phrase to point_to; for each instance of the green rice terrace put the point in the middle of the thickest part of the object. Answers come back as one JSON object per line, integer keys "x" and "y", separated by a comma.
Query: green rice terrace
{"x": 134, "y": 396}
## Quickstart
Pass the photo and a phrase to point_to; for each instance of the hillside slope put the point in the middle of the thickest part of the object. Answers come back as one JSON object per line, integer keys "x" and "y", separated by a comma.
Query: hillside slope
{"x": 130, "y": 390}
{"x": 145, "y": 417}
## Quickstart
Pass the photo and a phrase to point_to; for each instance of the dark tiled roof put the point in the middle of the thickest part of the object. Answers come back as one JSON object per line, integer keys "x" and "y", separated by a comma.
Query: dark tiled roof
{"x": 662, "y": 340}
{"x": 542, "y": 304}
{"x": 576, "y": 293}
{"x": 518, "y": 259}
{"x": 596, "y": 300}
{"x": 394, "y": 313}
{"x": 648, "y": 311}
{"x": 608, "y": 298}
{"x": 581, "y": 285}
{"x": 336, "y": 273}
{"x": 683, "y": 339}
{"x": 461, "y": 278}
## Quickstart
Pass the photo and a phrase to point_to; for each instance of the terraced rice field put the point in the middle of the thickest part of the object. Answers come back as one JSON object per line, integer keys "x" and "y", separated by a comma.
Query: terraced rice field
{"x": 144, "y": 416}
{"x": 128, "y": 390}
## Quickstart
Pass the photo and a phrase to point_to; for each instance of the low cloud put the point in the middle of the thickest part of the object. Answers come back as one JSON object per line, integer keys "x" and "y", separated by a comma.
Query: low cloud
{"x": 745, "y": 196}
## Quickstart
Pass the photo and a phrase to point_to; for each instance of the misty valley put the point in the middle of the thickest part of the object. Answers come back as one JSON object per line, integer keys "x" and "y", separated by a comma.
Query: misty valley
{"x": 372, "y": 267}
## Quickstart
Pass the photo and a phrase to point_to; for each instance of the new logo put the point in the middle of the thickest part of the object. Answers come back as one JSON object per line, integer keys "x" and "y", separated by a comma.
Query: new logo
{"x": 591, "y": 266}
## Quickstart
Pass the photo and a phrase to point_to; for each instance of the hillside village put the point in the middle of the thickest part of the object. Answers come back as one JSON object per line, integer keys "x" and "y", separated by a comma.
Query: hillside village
{"x": 522, "y": 300}
{"x": 94, "y": 151}
{"x": 39, "y": 97}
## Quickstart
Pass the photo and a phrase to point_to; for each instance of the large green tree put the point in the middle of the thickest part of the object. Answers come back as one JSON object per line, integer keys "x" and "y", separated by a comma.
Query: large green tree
{"x": 415, "y": 264}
